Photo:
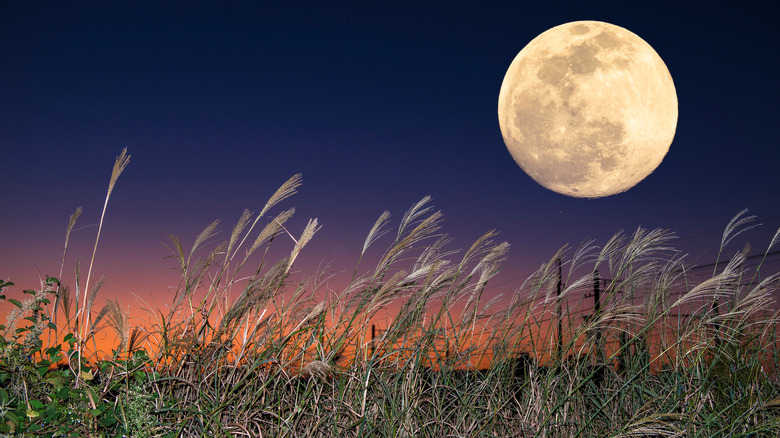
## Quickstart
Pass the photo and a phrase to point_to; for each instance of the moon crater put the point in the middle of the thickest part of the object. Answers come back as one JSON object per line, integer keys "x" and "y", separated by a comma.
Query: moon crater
{"x": 588, "y": 109}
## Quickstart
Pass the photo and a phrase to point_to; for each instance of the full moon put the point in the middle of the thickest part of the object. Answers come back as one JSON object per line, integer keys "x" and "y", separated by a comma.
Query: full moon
{"x": 588, "y": 109}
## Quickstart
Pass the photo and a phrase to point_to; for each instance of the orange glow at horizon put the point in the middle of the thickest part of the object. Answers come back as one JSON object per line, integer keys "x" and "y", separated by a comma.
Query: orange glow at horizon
{"x": 477, "y": 343}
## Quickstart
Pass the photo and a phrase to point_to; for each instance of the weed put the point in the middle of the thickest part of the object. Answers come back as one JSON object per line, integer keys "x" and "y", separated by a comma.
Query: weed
{"x": 248, "y": 348}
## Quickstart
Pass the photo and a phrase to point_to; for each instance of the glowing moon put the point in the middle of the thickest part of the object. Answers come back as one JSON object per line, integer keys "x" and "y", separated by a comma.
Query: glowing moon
{"x": 588, "y": 109}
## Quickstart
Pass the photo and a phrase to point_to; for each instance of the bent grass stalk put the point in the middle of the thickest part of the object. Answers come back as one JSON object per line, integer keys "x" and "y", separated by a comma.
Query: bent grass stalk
{"x": 119, "y": 166}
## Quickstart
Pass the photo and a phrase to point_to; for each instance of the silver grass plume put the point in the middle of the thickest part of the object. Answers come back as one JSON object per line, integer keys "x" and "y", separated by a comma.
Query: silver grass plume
{"x": 71, "y": 224}
{"x": 433, "y": 253}
{"x": 424, "y": 271}
{"x": 268, "y": 232}
{"x": 242, "y": 222}
{"x": 486, "y": 309}
{"x": 357, "y": 294}
{"x": 385, "y": 294}
{"x": 119, "y": 166}
{"x": 611, "y": 317}
{"x": 642, "y": 245}
{"x": 424, "y": 229}
{"x": 265, "y": 288}
{"x": 92, "y": 295}
{"x": 312, "y": 314}
{"x": 177, "y": 251}
{"x": 306, "y": 236}
{"x": 611, "y": 249}
{"x": 256, "y": 294}
{"x": 117, "y": 319}
{"x": 136, "y": 337}
{"x": 483, "y": 245}
{"x": 584, "y": 254}
{"x": 193, "y": 274}
{"x": 479, "y": 247}
{"x": 489, "y": 264}
{"x": 712, "y": 287}
{"x": 63, "y": 298}
{"x": 774, "y": 241}
{"x": 651, "y": 431}
{"x": 655, "y": 425}
{"x": 582, "y": 283}
{"x": 317, "y": 369}
{"x": 757, "y": 300}
{"x": 68, "y": 229}
{"x": 487, "y": 267}
{"x": 78, "y": 282}
{"x": 378, "y": 230}
{"x": 736, "y": 226}
{"x": 315, "y": 313}
{"x": 25, "y": 306}
{"x": 286, "y": 190}
{"x": 272, "y": 229}
{"x": 412, "y": 214}
{"x": 657, "y": 301}
{"x": 207, "y": 233}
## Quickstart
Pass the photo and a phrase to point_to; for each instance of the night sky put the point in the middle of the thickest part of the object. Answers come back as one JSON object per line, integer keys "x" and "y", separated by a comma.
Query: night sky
{"x": 377, "y": 104}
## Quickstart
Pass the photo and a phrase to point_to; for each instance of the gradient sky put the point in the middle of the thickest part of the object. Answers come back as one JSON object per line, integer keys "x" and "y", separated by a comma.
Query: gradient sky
{"x": 377, "y": 104}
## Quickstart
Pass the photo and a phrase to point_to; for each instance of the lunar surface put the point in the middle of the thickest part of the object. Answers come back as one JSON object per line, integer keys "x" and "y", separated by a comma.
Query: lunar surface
{"x": 588, "y": 109}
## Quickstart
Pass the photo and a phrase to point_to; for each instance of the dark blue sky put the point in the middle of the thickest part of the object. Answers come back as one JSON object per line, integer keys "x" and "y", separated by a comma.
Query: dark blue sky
{"x": 376, "y": 103}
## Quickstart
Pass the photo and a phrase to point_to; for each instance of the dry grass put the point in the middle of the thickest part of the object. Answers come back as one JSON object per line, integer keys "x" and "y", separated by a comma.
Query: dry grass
{"x": 664, "y": 355}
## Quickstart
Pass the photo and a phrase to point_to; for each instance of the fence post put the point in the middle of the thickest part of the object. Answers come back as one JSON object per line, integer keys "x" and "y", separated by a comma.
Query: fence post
{"x": 560, "y": 316}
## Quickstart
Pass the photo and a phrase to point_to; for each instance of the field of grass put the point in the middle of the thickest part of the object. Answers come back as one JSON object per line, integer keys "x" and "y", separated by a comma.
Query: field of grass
{"x": 662, "y": 356}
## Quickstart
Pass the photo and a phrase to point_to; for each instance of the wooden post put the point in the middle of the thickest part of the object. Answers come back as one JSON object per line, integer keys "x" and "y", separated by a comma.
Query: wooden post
{"x": 597, "y": 309}
{"x": 373, "y": 335}
{"x": 560, "y": 316}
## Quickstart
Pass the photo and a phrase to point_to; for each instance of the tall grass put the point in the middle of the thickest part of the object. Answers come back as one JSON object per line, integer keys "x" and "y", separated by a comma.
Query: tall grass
{"x": 665, "y": 354}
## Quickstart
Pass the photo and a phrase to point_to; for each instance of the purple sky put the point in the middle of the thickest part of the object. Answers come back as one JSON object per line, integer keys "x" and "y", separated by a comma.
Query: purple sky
{"x": 377, "y": 104}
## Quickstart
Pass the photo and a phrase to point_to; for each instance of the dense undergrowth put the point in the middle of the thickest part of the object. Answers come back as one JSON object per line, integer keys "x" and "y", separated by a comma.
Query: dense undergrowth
{"x": 663, "y": 355}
